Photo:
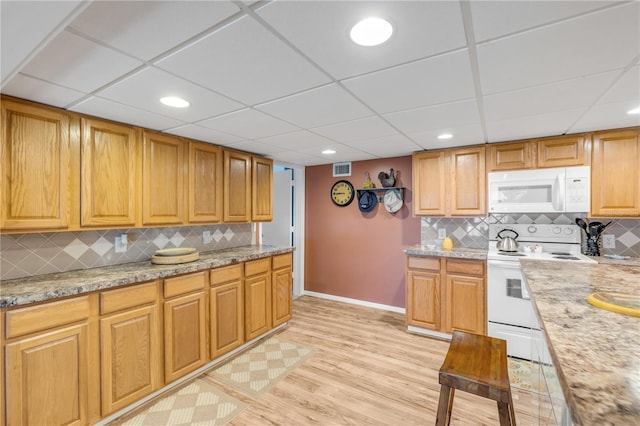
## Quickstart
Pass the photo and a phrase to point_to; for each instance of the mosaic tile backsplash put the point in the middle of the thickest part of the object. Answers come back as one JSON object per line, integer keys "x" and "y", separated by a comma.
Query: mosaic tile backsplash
{"x": 473, "y": 232}
{"x": 23, "y": 255}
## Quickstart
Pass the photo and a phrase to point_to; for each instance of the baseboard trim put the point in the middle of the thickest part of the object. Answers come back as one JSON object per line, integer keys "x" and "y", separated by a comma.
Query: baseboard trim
{"x": 355, "y": 301}
{"x": 430, "y": 333}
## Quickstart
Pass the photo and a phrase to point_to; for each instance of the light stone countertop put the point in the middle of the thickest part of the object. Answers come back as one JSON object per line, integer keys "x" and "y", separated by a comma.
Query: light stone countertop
{"x": 457, "y": 252}
{"x": 23, "y": 291}
{"x": 596, "y": 352}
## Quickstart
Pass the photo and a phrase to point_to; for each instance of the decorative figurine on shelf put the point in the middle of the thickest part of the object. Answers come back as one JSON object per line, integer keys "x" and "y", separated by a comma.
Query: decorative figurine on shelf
{"x": 387, "y": 180}
{"x": 367, "y": 183}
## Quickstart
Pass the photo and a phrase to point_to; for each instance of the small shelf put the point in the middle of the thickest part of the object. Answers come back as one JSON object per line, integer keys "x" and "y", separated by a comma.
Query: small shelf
{"x": 380, "y": 192}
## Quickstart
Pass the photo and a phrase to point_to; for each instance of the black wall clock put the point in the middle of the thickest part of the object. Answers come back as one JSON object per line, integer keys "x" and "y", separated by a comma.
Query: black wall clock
{"x": 342, "y": 193}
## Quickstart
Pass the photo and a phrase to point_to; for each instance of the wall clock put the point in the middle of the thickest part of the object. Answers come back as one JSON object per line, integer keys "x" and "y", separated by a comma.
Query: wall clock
{"x": 342, "y": 193}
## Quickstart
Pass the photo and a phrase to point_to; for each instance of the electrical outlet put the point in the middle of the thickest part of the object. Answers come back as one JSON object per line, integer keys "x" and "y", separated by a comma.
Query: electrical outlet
{"x": 206, "y": 237}
{"x": 609, "y": 241}
{"x": 121, "y": 243}
{"x": 442, "y": 233}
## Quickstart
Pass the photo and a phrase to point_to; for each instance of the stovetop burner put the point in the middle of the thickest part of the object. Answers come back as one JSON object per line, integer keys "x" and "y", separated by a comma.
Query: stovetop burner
{"x": 565, "y": 257}
{"x": 508, "y": 253}
{"x": 560, "y": 253}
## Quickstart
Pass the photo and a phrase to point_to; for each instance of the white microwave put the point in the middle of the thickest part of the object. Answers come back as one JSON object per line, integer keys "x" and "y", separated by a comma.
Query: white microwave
{"x": 555, "y": 190}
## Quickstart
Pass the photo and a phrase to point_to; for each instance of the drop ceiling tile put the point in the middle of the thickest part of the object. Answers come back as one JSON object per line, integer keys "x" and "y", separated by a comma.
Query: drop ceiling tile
{"x": 24, "y": 25}
{"x": 249, "y": 124}
{"x": 320, "y": 29}
{"x": 204, "y": 134}
{"x": 387, "y": 146}
{"x": 79, "y": 64}
{"x": 607, "y": 116}
{"x": 568, "y": 94}
{"x": 551, "y": 124}
{"x": 437, "y": 80}
{"x": 25, "y": 87}
{"x": 438, "y": 117}
{"x": 317, "y": 107}
{"x": 591, "y": 44}
{"x": 297, "y": 140}
{"x": 463, "y": 134}
{"x": 343, "y": 154}
{"x": 297, "y": 158}
{"x": 627, "y": 88}
{"x": 350, "y": 131}
{"x": 125, "y": 114}
{"x": 146, "y": 29}
{"x": 245, "y": 61}
{"x": 516, "y": 16}
{"x": 256, "y": 148}
{"x": 144, "y": 89}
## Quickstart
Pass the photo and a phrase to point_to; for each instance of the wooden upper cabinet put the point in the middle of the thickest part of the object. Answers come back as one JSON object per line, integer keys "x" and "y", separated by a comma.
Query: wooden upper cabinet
{"x": 35, "y": 150}
{"x": 205, "y": 183}
{"x": 262, "y": 189}
{"x": 429, "y": 183}
{"x": 110, "y": 173}
{"x": 562, "y": 151}
{"x": 468, "y": 182}
{"x": 237, "y": 187}
{"x": 510, "y": 156}
{"x": 163, "y": 192}
{"x": 615, "y": 174}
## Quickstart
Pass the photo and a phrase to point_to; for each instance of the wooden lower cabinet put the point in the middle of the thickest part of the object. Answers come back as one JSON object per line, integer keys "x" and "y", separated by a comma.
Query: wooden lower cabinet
{"x": 185, "y": 324}
{"x": 130, "y": 343}
{"x": 445, "y": 294}
{"x": 257, "y": 298}
{"x": 282, "y": 282}
{"x": 226, "y": 310}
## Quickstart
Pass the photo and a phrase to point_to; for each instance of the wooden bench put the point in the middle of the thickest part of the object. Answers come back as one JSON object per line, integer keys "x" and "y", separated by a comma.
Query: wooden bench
{"x": 478, "y": 365}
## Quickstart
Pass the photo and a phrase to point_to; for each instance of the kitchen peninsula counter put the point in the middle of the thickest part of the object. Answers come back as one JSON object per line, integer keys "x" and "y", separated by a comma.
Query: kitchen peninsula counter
{"x": 23, "y": 291}
{"x": 596, "y": 352}
{"x": 460, "y": 253}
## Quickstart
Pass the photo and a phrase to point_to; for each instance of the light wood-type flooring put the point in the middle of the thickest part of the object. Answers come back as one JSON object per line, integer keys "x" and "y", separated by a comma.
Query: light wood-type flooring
{"x": 367, "y": 370}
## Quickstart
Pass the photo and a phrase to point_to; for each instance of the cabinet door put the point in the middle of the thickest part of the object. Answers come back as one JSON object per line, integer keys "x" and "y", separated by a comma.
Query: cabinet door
{"x": 464, "y": 304}
{"x": 282, "y": 282}
{"x": 257, "y": 305}
{"x": 185, "y": 338}
{"x": 35, "y": 150}
{"x": 510, "y": 156}
{"x": 164, "y": 164}
{"x": 205, "y": 183}
{"x": 615, "y": 174}
{"x": 561, "y": 152}
{"x": 130, "y": 357}
{"x": 468, "y": 182}
{"x": 47, "y": 378}
{"x": 110, "y": 174}
{"x": 423, "y": 299}
{"x": 429, "y": 182}
{"x": 227, "y": 317}
{"x": 237, "y": 187}
{"x": 262, "y": 189}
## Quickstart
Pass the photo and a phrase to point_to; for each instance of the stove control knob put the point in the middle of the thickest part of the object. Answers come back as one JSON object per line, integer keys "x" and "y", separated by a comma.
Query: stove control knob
{"x": 568, "y": 231}
{"x": 556, "y": 230}
{"x": 532, "y": 229}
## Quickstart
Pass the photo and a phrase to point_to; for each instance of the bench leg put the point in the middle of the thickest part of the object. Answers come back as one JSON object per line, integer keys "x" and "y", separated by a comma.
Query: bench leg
{"x": 505, "y": 411}
{"x": 445, "y": 405}
{"x": 512, "y": 411}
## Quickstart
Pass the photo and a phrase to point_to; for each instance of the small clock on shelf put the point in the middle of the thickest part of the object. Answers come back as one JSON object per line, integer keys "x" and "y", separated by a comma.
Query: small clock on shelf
{"x": 342, "y": 193}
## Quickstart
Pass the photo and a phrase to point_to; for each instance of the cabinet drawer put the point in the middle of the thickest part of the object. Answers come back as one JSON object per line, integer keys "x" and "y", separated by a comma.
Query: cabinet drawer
{"x": 117, "y": 300}
{"x": 430, "y": 263}
{"x": 281, "y": 261}
{"x": 185, "y": 284}
{"x": 466, "y": 267}
{"x": 226, "y": 274}
{"x": 37, "y": 318}
{"x": 257, "y": 267}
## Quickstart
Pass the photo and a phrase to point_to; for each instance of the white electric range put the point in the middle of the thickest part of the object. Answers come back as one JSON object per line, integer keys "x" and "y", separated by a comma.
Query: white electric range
{"x": 510, "y": 312}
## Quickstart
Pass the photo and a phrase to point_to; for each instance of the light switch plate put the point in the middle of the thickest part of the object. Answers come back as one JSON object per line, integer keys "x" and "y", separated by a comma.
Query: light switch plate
{"x": 206, "y": 237}
{"x": 608, "y": 241}
{"x": 442, "y": 233}
{"x": 121, "y": 243}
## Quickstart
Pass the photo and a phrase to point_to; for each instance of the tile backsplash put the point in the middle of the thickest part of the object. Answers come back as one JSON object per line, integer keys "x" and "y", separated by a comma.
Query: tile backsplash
{"x": 23, "y": 255}
{"x": 473, "y": 232}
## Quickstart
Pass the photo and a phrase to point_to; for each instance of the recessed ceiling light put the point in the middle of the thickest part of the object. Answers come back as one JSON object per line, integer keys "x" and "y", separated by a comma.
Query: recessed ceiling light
{"x": 634, "y": 111}
{"x": 445, "y": 136}
{"x": 328, "y": 152}
{"x": 174, "y": 101}
{"x": 371, "y": 32}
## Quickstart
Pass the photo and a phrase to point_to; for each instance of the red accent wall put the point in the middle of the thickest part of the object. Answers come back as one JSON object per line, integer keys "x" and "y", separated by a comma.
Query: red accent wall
{"x": 353, "y": 254}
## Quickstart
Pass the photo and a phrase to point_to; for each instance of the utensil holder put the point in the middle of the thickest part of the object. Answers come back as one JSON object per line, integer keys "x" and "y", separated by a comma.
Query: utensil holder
{"x": 593, "y": 246}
